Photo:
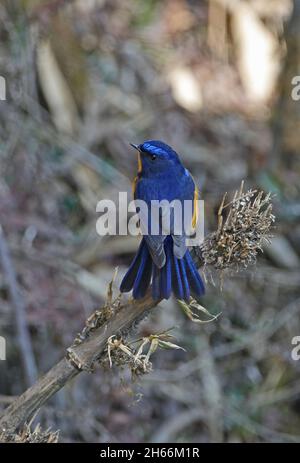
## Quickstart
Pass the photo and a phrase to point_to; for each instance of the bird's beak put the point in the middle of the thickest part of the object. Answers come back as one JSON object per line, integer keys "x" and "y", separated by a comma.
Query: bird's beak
{"x": 134, "y": 146}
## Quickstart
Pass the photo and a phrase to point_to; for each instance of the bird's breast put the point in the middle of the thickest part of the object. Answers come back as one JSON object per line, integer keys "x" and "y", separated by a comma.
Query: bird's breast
{"x": 169, "y": 187}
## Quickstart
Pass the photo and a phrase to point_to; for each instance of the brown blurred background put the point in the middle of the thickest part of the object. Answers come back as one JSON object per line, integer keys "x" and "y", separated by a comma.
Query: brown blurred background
{"x": 213, "y": 79}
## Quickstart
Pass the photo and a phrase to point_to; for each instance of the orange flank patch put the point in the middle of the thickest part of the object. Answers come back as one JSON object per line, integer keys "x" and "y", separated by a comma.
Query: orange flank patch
{"x": 195, "y": 212}
{"x": 139, "y": 164}
{"x": 135, "y": 180}
{"x": 134, "y": 183}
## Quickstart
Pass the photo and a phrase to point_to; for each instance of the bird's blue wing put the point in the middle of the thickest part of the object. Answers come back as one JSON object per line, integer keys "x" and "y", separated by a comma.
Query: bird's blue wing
{"x": 188, "y": 191}
{"x": 146, "y": 192}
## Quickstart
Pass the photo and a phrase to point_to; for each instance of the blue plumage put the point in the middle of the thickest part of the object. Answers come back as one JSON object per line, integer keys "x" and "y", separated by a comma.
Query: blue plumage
{"x": 163, "y": 260}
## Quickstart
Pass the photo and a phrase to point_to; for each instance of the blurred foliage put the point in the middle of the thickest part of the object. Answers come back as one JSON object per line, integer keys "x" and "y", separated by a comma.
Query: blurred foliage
{"x": 84, "y": 78}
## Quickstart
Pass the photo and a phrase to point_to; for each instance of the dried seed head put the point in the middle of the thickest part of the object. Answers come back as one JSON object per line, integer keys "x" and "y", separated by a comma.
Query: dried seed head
{"x": 243, "y": 228}
{"x": 136, "y": 358}
{"x": 27, "y": 435}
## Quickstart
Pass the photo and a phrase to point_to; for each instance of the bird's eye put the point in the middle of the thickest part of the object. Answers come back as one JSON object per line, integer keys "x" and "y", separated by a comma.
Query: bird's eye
{"x": 153, "y": 157}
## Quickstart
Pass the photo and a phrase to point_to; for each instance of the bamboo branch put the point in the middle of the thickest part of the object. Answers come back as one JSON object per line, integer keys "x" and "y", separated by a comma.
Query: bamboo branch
{"x": 22, "y": 409}
{"x": 236, "y": 243}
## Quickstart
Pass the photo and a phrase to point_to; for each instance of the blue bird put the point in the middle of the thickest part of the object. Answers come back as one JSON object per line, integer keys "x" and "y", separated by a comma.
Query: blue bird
{"x": 162, "y": 259}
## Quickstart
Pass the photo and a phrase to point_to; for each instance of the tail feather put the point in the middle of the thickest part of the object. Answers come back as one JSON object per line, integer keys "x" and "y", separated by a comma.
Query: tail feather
{"x": 184, "y": 279}
{"x": 195, "y": 280}
{"x": 155, "y": 282}
{"x": 179, "y": 276}
{"x": 165, "y": 275}
{"x": 176, "y": 279}
{"x": 129, "y": 279}
{"x": 143, "y": 277}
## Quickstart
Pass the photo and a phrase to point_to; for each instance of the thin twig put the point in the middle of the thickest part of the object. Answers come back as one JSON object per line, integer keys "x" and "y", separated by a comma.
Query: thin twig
{"x": 26, "y": 350}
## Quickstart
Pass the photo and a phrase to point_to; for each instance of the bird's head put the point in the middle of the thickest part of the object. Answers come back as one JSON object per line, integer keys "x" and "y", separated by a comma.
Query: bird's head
{"x": 156, "y": 156}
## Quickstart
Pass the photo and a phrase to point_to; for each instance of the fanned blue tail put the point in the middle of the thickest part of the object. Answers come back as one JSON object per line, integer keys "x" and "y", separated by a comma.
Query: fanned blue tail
{"x": 179, "y": 276}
